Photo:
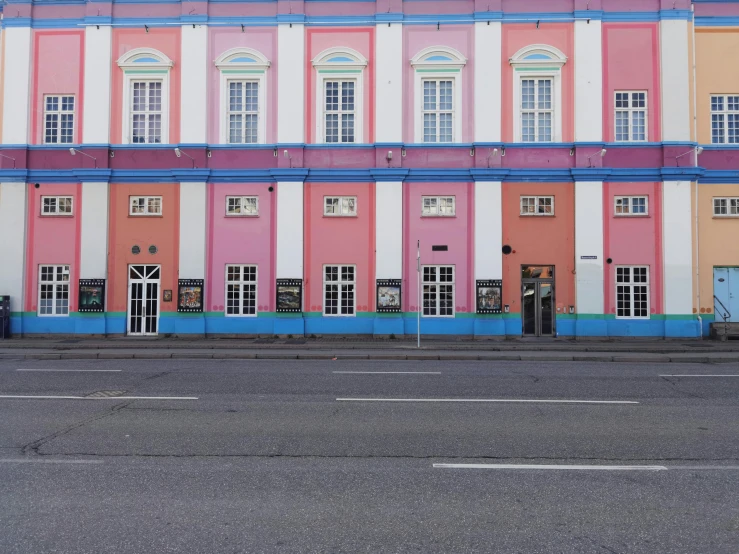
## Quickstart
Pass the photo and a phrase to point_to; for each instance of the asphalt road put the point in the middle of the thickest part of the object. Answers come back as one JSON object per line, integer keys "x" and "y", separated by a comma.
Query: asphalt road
{"x": 332, "y": 456}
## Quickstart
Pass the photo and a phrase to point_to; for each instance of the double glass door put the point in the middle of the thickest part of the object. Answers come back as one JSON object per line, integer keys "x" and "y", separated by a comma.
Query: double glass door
{"x": 537, "y": 300}
{"x": 143, "y": 299}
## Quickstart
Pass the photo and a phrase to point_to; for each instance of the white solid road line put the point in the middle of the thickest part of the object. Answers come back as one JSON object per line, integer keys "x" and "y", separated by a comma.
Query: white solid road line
{"x": 73, "y": 370}
{"x": 551, "y": 467}
{"x": 41, "y": 461}
{"x": 500, "y": 400}
{"x": 685, "y": 375}
{"x": 29, "y": 397}
{"x": 388, "y": 372}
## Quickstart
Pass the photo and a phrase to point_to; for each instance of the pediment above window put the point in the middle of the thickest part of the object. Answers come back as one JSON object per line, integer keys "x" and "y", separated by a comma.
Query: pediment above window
{"x": 539, "y": 55}
{"x": 144, "y": 58}
{"x": 242, "y": 59}
{"x": 340, "y": 58}
{"x": 439, "y": 57}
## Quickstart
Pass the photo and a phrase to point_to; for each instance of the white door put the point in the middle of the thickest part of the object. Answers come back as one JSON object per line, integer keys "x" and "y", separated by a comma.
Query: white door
{"x": 143, "y": 299}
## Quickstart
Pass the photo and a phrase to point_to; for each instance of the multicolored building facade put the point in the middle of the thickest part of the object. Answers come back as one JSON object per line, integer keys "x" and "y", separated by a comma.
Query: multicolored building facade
{"x": 307, "y": 167}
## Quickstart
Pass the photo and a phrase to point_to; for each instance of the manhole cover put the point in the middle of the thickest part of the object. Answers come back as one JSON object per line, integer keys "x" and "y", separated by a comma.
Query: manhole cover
{"x": 106, "y": 394}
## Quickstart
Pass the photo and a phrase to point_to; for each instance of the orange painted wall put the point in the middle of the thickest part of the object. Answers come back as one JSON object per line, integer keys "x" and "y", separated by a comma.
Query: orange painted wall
{"x": 127, "y": 231}
{"x": 539, "y": 240}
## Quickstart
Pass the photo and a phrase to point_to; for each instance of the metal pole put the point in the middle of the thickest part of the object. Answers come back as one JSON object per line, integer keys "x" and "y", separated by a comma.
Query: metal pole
{"x": 418, "y": 267}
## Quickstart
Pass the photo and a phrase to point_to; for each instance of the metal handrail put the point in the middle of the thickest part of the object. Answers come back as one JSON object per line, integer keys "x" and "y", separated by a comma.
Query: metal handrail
{"x": 727, "y": 315}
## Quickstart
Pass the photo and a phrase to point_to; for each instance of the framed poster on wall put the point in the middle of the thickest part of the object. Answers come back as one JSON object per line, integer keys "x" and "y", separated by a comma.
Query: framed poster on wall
{"x": 290, "y": 295}
{"x": 91, "y": 297}
{"x": 490, "y": 296}
{"x": 388, "y": 295}
{"x": 190, "y": 295}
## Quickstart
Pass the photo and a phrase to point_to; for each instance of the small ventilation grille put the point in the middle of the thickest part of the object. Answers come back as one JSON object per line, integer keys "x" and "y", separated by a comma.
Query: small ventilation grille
{"x": 135, "y": 249}
{"x": 152, "y": 249}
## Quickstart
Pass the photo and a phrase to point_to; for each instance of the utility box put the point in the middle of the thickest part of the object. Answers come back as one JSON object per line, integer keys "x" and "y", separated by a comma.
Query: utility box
{"x": 4, "y": 317}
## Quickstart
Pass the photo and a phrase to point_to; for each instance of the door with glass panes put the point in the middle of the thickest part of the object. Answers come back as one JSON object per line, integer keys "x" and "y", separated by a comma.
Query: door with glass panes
{"x": 537, "y": 301}
{"x": 143, "y": 299}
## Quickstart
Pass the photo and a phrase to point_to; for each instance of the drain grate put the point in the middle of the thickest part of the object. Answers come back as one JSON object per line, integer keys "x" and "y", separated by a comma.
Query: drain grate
{"x": 105, "y": 394}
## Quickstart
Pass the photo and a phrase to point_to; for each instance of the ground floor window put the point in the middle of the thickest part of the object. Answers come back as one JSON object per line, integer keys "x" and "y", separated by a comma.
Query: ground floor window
{"x": 632, "y": 292}
{"x": 338, "y": 289}
{"x": 241, "y": 290}
{"x": 53, "y": 290}
{"x": 438, "y": 290}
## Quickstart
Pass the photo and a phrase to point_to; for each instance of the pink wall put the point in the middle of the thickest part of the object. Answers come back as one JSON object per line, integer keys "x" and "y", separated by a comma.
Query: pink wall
{"x": 261, "y": 39}
{"x": 415, "y": 39}
{"x": 363, "y": 41}
{"x": 58, "y": 68}
{"x": 455, "y": 232}
{"x": 631, "y": 62}
{"x": 517, "y": 36}
{"x": 240, "y": 240}
{"x": 340, "y": 241}
{"x": 633, "y": 240}
{"x": 52, "y": 240}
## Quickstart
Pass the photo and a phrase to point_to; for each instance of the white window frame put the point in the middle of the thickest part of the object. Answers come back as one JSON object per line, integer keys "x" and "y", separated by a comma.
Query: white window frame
{"x": 728, "y": 200}
{"x": 59, "y": 113}
{"x": 437, "y": 294}
{"x": 628, "y": 202}
{"x": 242, "y": 203}
{"x": 536, "y": 111}
{"x": 536, "y": 199}
{"x": 242, "y": 283}
{"x": 438, "y": 63}
{"x": 57, "y": 287}
{"x": 157, "y": 67}
{"x": 538, "y": 61}
{"x": 436, "y": 210}
{"x": 437, "y": 112}
{"x": 340, "y": 200}
{"x": 340, "y": 64}
{"x": 57, "y": 212}
{"x": 246, "y": 65}
{"x": 339, "y": 112}
{"x": 630, "y": 111}
{"x": 724, "y": 115}
{"x": 629, "y": 287}
{"x": 342, "y": 284}
{"x": 146, "y": 212}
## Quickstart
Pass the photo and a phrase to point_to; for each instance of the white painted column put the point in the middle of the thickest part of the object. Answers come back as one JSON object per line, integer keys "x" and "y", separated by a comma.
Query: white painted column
{"x": 675, "y": 60}
{"x": 194, "y": 79}
{"x": 589, "y": 280}
{"x": 96, "y": 100}
{"x": 389, "y": 83}
{"x": 677, "y": 237}
{"x": 588, "y": 81}
{"x": 17, "y": 93}
{"x": 13, "y": 212}
{"x": 291, "y": 84}
{"x": 487, "y": 77}
{"x": 389, "y": 230}
{"x": 192, "y": 231}
{"x": 289, "y": 230}
{"x": 94, "y": 231}
{"x": 488, "y": 230}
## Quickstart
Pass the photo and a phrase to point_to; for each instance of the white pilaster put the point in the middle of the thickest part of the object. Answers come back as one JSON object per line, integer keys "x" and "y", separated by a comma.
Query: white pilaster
{"x": 487, "y": 76}
{"x": 13, "y": 212}
{"x": 389, "y": 230}
{"x": 488, "y": 230}
{"x": 675, "y": 60}
{"x": 589, "y": 279}
{"x": 290, "y": 84}
{"x": 389, "y": 83}
{"x": 96, "y": 102}
{"x": 289, "y": 230}
{"x": 194, "y": 74}
{"x": 16, "y": 94}
{"x": 677, "y": 237}
{"x": 192, "y": 230}
{"x": 94, "y": 231}
{"x": 588, "y": 81}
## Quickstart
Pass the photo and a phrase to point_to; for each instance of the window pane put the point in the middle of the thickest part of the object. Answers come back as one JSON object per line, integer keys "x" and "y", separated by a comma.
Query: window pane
{"x": 252, "y": 97}
{"x": 545, "y": 127}
{"x": 429, "y": 95}
{"x": 528, "y": 127}
{"x": 639, "y": 125}
{"x": 445, "y": 127}
{"x": 545, "y": 94}
{"x": 429, "y": 127}
{"x": 622, "y": 126}
{"x": 717, "y": 128}
{"x": 347, "y": 96}
{"x": 67, "y": 128}
{"x": 527, "y": 94}
{"x": 445, "y": 95}
{"x": 347, "y": 127}
{"x": 252, "y": 129}
{"x": 332, "y": 95}
{"x": 235, "y": 129}
{"x": 332, "y": 128}
{"x": 235, "y": 91}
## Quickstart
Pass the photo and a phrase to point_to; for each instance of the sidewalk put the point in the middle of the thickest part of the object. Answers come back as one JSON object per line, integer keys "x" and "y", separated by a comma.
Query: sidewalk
{"x": 694, "y": 351}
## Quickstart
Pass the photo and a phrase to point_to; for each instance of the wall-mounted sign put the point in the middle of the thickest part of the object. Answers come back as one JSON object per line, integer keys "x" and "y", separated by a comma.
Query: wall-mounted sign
{"x": 190, "y": 295}
{"x": 490, "y": 296}
{"x": 388, "y": 295}
{"x": 588, "y": 257}
{"x": 167, "y": 295}
{"x": 91, "y": 297}
{"x": 290, "y": 295}
{"x": 440, "y": 248}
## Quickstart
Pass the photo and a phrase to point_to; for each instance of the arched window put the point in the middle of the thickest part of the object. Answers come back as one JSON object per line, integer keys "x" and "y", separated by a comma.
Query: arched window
{"x": 145, "y": 96}
{"x": 339, "y": 95}
{"x": 243, "y": 96}
{"x": 438, "y": 94}
{"x": 537, "y": 93}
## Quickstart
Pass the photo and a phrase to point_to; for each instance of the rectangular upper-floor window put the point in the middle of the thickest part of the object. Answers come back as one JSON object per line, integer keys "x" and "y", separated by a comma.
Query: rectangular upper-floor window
{"x": 53, "y": 290}
{"x": 726, "y": 207}
{"x": 241, "y": 290}
{"x": 631, "y": 116}
{"x": 631, "y": 205}
{"x": 339, "y": 111}
{"x": 437, "y": 205}
{"x": 632, "y": 292}
{"x": 146, "y": 113}
{"x": 438, "y": 290}
{"x": 242, "y": 206}
{"x": 537, "y": 205}
{"x": 145, "y": 205}
{"x": 56, "y": 205}
{"x": 537, "y": 110}
{"x": 438, "y": 110}
{"x": 58, "y": 119}
{"x": 339, "y": 283}
{"x": 243, "y": 112}
{"x": 340, "y": 206}
{"x": 724, "y": 119}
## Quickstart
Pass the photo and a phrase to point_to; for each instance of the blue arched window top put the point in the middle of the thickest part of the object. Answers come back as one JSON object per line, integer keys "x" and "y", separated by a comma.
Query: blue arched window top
{"x": 537, "y": 57}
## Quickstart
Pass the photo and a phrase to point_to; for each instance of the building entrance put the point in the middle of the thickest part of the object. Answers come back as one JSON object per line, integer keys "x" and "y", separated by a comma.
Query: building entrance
{"x": 537, "y": 300}
{"x": 143, "y": 299}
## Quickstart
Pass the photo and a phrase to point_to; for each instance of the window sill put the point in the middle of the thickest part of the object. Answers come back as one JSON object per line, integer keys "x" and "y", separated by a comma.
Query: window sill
{"x": 536, "y": 215}
{"x": 339, "y": 216}
{"x": 56, "y": 215}
{"x": 725, "y": 217}
{"x": 144, "y": 215}
{"x": 229, "y": 216}
{"x": 626, "y": 216}
{"x": 439, "y": 216}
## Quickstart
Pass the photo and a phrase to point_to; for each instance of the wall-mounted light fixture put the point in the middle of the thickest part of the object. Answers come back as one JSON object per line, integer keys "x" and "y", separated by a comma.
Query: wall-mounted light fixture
{"x": 74, "y": 152}
{"x": 179, "y": 152}
{"x": 698, "y": 151}
{"x": 493, "y": 152}
{"x": 9, "y": 158}
{"x": 601, "y": 152}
